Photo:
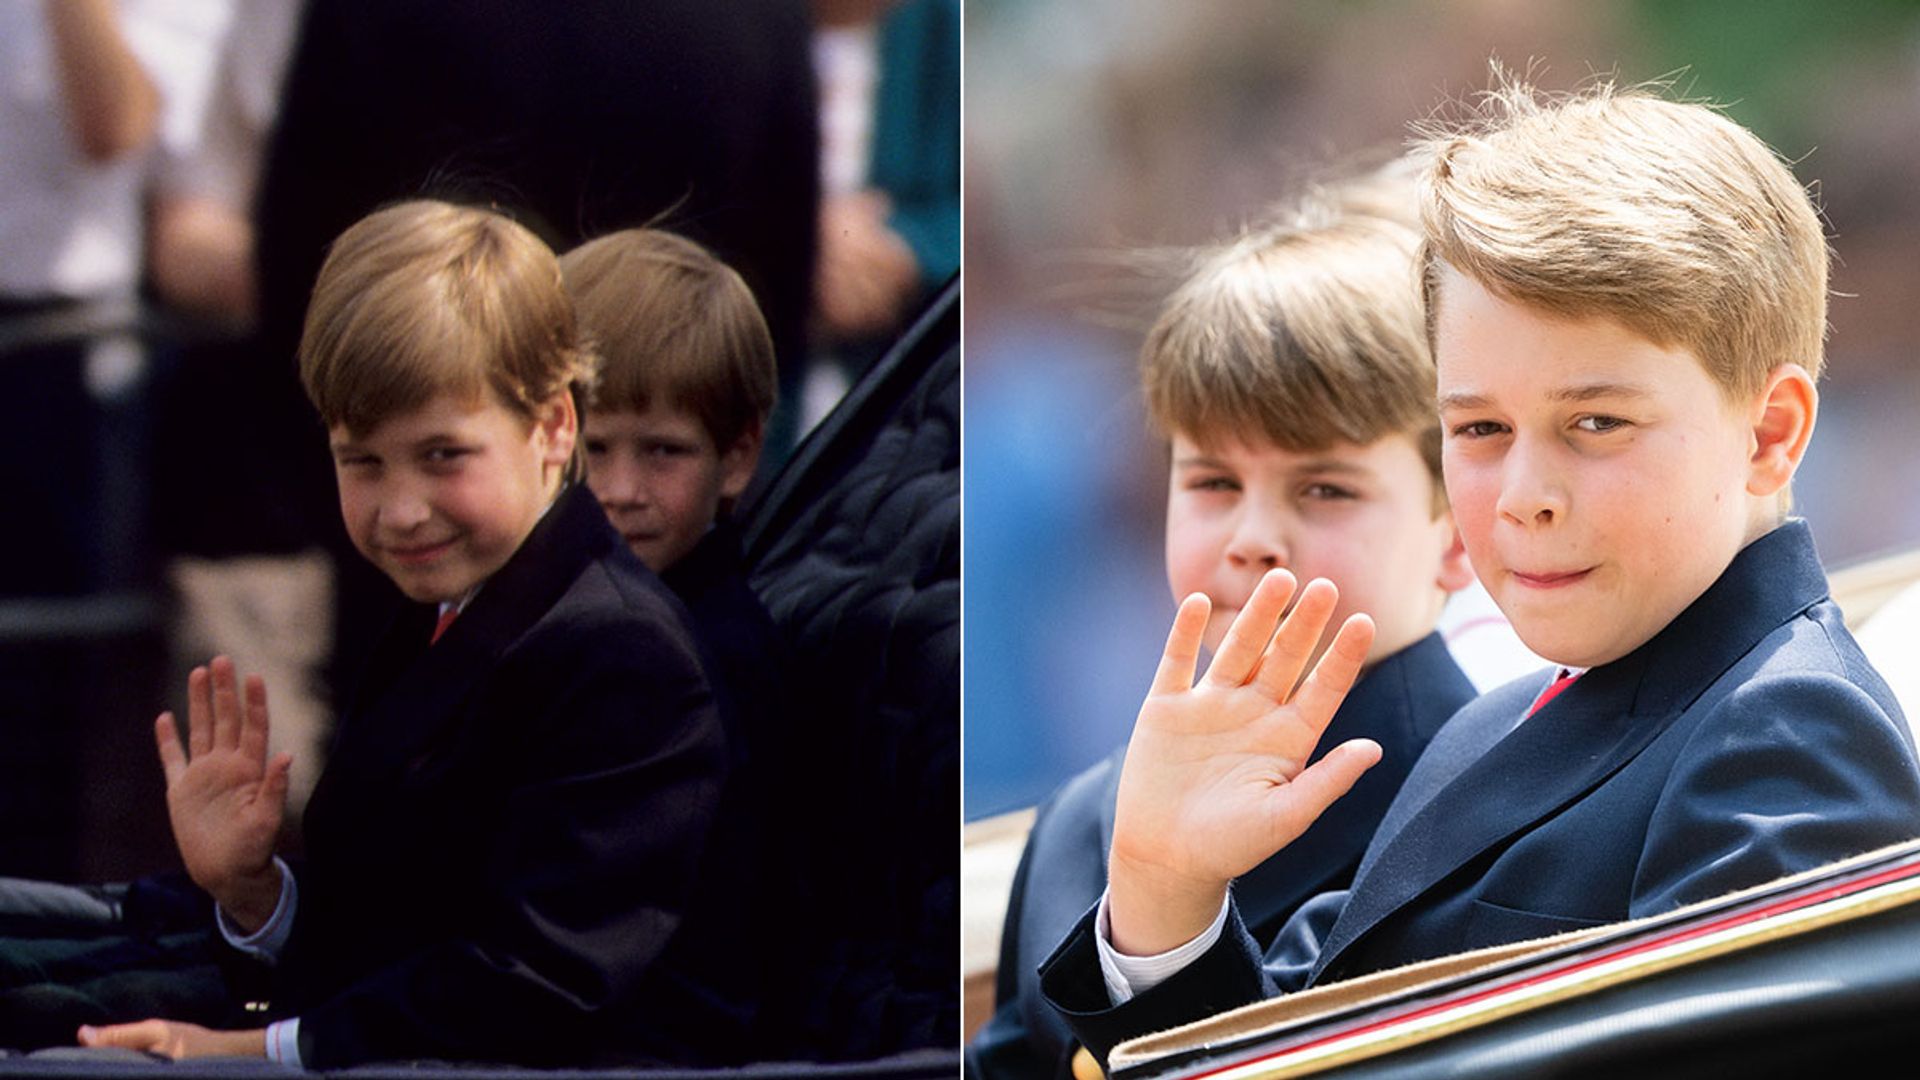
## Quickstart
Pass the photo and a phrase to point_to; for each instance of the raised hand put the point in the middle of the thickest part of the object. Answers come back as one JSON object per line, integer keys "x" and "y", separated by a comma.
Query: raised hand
{"x": 1215, "y": 779}
{"x": 225, "y": 799}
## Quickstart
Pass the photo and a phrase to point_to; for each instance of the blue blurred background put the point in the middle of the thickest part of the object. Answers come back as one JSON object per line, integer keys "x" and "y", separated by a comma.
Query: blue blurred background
{"x": 1097, "y": 133}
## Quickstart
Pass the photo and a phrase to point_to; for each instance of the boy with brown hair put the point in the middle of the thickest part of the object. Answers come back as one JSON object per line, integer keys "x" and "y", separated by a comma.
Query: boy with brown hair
{"x": 1290, "y": 373}
{"x": 1627, "y": 300}
{"x": 673, "y": 434}
{"x": 505, "y": 835}
{"x": 672, "y": 437}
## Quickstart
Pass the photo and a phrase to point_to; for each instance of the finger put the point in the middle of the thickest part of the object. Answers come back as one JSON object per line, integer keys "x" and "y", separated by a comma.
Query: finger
{"x": 1335, "y": 674}
{"x": 1301, "y": 801}
{"x": 226, "y": 705}
{"x": 1183, "y": 646}
{"x": 253, "y": 727}
{"x": 173, "y": 760}
{"x": 1252, "y": 628}
{"x": 199, "y": 712}
{"x": 273, "y": 788}
{"x": 149, "y": 1035}
{"x": 1299, "y": 636}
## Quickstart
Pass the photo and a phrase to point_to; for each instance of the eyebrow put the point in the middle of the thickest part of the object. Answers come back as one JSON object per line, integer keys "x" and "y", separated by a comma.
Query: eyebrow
{"x": 1315, "y": 466}
{"x": 1581, "y": 392}
{"x": 431, "y": 439}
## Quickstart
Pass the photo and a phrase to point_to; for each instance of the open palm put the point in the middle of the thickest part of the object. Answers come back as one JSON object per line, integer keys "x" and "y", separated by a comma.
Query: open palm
{"x": 1215, "y": 779}
{"x": 225, "y": 798}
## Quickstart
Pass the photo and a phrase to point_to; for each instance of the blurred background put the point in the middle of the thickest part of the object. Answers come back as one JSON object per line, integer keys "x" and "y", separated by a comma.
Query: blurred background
{"x": 1100, "y": 133}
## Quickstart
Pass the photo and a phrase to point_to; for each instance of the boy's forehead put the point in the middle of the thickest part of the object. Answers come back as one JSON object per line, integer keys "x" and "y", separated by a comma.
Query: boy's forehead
{"x": 660, "y": 414}
{"x": 1487, "y": 346}
{"x": 1261, "y": 451}
{"x": 443, "y": 413}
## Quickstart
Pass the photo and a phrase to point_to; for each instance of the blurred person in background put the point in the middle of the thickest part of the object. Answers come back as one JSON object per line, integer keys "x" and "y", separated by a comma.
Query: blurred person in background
{"x": 889, "y": 76}
{"x": 92, "y": 90}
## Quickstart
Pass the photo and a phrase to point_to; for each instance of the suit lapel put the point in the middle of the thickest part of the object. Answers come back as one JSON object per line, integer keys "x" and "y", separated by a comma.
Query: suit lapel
{"x": 1559, "y": 754}
{"x": 1485, "y": 785}
{"x": 405, "y": 721}
{"x": 1400, "y": 703}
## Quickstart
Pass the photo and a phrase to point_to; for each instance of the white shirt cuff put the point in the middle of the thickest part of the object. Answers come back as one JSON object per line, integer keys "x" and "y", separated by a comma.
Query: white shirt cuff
{"x": 266, "y": 943}
{"x": 283, "y": 1042}
{"x": 1130, "y": 976}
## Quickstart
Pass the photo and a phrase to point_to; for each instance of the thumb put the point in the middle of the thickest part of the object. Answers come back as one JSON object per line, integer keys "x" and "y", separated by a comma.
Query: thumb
{"x": 1301, "y": 801}
{"x": 274, "y": 786}
{"x": 144, "y": 1035}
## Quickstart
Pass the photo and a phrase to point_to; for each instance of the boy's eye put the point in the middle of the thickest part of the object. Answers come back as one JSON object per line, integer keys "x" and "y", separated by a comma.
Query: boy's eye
{"x": 1213, "y": 483}
{"x": 1477, "y": 429}
{"x": 1600, "y": 425}
{"x": 595, "y": 447}
{"x": 1328, "y": 492}
{"x": 445, "y": 455}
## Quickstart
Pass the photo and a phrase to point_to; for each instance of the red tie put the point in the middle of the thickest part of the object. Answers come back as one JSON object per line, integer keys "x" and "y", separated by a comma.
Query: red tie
{"x": 445, "y": 620}
{"x": 1553, "y": 691}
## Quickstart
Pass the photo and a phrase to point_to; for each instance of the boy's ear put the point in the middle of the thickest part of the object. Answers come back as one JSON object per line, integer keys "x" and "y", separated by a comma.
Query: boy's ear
{"x": 737, "y": 462}
{"x": 1456, "y": 572}
{"x": 1782, "y": 416}
{"x": 559, "y": 428}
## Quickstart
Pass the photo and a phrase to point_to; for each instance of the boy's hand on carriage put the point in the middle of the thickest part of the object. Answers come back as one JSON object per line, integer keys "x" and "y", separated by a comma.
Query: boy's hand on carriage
{"x": 176, "y": 1039}
{"x": 1215, "y": 779}
{"x": 225, "y": 798}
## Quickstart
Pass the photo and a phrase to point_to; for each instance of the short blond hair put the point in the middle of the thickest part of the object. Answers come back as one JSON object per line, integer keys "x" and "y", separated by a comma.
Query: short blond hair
{"x": 674, "y": 324}
{"x": 1304, "y": 332}
{"x": 1663, "y": 215}
{"x": 425, "y": 298}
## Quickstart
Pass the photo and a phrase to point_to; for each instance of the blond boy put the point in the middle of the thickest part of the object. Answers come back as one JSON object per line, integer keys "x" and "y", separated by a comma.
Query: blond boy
{"x": 503, "y": 842}
{"x": 1627, "y": 298}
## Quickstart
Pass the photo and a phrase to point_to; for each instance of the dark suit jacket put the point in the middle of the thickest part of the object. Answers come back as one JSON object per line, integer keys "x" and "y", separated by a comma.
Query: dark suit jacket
{"x": 1747, "y": 740}
{"x": 505, "y": 836}
{"x": 1400, "y": 703}
{"x": 744, "y": 660}
{"x": 747, "y": 660}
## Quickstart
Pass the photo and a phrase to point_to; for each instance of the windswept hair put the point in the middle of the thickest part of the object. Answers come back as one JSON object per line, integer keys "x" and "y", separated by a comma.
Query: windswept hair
{"x": 1303, "y": 332}
{"x": 425, "y": 298}
{"x": 1614, "y": 201}
{"x": 674, "y": 324}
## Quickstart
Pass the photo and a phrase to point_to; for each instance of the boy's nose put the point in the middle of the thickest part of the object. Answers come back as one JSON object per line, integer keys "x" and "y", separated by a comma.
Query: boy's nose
{"x": 402, "y": 511}
{"x": 1258, "y": 543}
{"x": 616, "y": 482}
{"x": 1531, "y": 494}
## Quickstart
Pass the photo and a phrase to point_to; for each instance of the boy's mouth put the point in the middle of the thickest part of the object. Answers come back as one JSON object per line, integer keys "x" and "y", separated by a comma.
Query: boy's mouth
{"x": 1552, "y": 579}
{"x": 414, "y": 554}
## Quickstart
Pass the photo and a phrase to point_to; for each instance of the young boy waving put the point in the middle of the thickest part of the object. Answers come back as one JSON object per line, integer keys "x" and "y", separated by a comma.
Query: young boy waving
{"x": 1627, "y": 299}
{"x": 505, "y": 834}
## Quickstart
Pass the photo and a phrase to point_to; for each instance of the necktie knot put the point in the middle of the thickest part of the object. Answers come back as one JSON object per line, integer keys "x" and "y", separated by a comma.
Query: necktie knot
{"x": 441, "y": 624}
{"x": 1553, "y": 690}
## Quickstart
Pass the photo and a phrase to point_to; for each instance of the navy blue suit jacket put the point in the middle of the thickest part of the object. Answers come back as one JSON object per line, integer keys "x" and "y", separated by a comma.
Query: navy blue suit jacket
{"x": 1400, "y": 703}
{"x": 1747, "y": 740}
{"x": 503, "y": 843}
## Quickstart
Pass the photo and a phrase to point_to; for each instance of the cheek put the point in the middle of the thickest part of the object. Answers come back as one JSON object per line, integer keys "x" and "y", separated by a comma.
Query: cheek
{"x": 1191, "y": 555}
{"x": 1473, "y": 492}
{"x": 356, "y": 508}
